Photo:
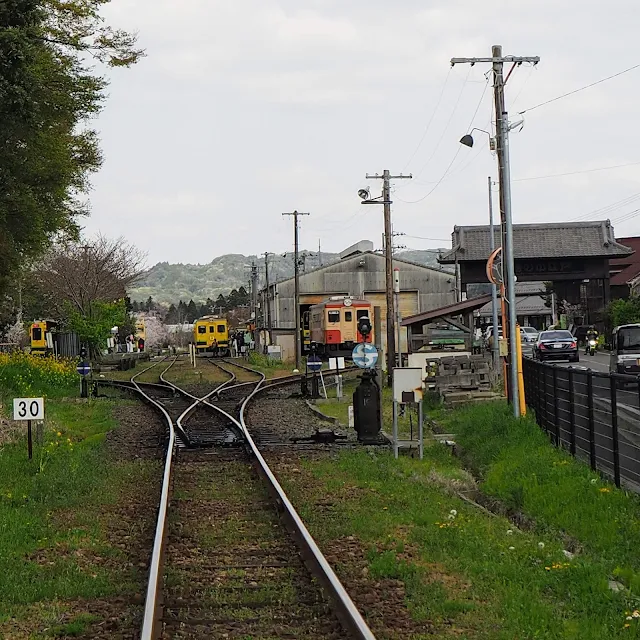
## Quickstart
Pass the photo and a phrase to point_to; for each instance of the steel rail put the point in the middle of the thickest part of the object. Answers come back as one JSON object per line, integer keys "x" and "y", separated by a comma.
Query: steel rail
{"x": 150, "y": 618}
{"x": 347, "y": 611}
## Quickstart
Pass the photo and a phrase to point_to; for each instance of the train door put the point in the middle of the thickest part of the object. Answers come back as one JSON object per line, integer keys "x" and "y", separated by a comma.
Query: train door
{"x": 349, "y": 327}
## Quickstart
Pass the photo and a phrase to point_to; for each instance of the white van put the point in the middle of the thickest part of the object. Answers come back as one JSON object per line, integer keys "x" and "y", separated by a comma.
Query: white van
{"x": 625, "y": 350}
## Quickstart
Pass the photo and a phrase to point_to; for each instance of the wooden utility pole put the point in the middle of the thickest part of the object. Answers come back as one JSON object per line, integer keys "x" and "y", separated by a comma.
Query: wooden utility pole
{"x": 296, "y": 266}
{"x": 386, "y": 178}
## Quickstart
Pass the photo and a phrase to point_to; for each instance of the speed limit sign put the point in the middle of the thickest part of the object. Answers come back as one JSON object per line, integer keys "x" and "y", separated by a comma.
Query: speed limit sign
{"x": 28, "y": 409}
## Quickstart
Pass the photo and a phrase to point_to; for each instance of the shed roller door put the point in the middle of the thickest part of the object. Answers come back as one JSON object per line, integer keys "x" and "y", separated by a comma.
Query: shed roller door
{"x": 408, "y": 307}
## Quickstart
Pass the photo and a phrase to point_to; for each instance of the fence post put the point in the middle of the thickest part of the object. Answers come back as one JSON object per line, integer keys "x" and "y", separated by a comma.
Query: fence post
{"x": 592, "y": 428}
{"x": 556, "y": 424}
{"x": 572, "y": 415}
{"x": 613, "y": 387}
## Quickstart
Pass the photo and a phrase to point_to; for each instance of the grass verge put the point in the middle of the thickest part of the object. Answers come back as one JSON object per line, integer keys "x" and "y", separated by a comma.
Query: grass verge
{"x": 473, "y": 574}
{"x": 521, "y": 468}
{"x": 466, "y": 574}
{"x": 62, "y": 518}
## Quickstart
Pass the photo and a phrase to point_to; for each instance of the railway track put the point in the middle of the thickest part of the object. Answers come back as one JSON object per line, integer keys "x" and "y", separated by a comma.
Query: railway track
{"x": 231, "y": 556}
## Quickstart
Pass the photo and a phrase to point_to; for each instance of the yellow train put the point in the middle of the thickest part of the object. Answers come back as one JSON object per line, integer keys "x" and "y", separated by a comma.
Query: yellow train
{"x": 141, "y": 330}
{"x": 40, "y": 336}
{"x": 211, "y": 333}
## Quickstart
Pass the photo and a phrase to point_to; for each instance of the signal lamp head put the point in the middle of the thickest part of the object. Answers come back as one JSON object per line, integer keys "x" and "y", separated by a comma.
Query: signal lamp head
{"x": 364, "y": 326}
{"x": 363, "y": 194}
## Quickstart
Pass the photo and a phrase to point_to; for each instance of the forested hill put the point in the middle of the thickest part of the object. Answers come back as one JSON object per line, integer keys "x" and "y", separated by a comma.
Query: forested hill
{"x": 168, "y": 283}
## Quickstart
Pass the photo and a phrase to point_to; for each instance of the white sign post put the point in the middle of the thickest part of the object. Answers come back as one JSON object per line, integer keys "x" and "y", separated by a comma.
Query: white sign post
{"x": 337, "y": 364}
{"x": 28, "y": 409}
{"x": 407, "y": 389}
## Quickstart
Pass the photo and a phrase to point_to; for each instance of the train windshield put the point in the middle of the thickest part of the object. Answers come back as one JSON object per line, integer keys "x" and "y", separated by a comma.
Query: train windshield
{"x": 37, "y": 333}
{"x": 362, "y": 313}
{"x": 202, "y": 329}
{"x": 220, "y": 328}
{"x": 629, "y": 339}
{"x": 334, "y": 316}
{"x": 348, "y": 316}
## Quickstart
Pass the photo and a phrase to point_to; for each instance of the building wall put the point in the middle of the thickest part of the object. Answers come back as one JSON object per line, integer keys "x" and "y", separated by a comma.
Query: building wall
{"x": 361, "y": 276}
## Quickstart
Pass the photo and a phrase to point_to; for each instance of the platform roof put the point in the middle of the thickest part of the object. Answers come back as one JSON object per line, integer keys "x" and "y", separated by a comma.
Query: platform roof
{"x": 455, "y": 309}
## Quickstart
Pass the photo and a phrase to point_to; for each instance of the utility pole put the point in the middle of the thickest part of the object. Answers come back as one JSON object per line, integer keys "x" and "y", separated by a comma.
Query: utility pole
{"x": 296, "y": 267}
{"x": 254, "y": 303}
{"x": 504, "y": 175}
{"x": 494, "y": 289}
{"x": 267, "y": 297}
{"x": 319, "y": 254}
{"x": 386, "y": 178}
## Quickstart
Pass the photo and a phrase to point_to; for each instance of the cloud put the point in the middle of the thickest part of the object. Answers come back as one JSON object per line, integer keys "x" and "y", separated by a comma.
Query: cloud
{"x": 245, "y": 109}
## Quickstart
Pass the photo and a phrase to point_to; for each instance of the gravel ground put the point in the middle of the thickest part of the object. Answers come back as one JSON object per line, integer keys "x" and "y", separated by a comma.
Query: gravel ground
{"x": 278, "y": 415}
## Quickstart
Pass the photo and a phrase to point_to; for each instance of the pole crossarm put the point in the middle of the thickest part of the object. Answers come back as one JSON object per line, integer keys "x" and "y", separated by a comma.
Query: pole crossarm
{"x": 516, "y": 59}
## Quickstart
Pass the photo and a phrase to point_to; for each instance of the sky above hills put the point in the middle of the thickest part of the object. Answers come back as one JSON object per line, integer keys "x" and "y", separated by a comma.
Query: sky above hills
{"x": 244, "y": 110}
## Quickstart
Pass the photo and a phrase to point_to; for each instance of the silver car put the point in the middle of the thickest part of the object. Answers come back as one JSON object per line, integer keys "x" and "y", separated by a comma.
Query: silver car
{"x": 529, "y": 334}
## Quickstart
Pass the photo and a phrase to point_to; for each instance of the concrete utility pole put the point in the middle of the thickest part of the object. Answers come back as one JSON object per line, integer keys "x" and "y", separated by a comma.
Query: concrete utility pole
{"x": 254, "y": 303}
{"x": 504, "y": 173}
{"x": 266, "y": 300}
{"x": 296, "y": 267}
{"x": 386, "y": 178}
{"x": 494, "y": 289}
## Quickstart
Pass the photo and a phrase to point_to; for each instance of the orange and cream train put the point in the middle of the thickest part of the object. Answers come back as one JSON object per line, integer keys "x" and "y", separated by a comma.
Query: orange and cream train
{"x": 333, "y": 325}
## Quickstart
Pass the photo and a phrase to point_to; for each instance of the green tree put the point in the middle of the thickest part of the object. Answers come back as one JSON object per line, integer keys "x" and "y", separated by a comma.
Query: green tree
{"x": 172, "y": 315}
{"x": 48, "y": 91}
{"x": 192, "y": 311}
{"x": 94, "y": 327}
{"x": 624, "y": 312}
{"x": 221, "y": 302}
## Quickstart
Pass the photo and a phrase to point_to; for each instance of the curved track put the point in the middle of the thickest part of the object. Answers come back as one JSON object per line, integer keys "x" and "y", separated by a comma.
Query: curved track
{"x": 222, "y": 564}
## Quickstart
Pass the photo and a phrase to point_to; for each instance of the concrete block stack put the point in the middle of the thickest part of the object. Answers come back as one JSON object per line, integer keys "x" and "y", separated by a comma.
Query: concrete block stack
{"x": 463, "y": 379}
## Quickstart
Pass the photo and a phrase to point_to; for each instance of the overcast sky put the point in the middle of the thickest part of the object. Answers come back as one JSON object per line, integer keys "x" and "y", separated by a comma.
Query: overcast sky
{"x": 244, "y": 109}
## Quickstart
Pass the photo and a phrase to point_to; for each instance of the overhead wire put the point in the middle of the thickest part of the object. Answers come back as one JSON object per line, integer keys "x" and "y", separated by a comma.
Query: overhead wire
{"x": 446, "y": 171}
{"x": 588, "y": 86}
{"x": 446, "y": 127}
{"x": 608, "y": 208}
{"x": 433, "y": 113}
{"x": 575, "y": 173}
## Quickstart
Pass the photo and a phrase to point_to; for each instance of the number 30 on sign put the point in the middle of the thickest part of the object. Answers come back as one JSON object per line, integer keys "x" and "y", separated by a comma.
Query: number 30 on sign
{"x": 28, "y": 409}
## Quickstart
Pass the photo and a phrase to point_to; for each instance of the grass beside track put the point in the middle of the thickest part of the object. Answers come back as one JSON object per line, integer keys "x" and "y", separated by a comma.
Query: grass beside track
{"x": 57, "y": 514}
{"x": 471, "y": 574}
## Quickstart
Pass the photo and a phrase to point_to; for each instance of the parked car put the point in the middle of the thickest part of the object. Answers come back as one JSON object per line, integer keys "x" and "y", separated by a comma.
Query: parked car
{"x": 529, "y": 334}
{"x": 557, "y": 345}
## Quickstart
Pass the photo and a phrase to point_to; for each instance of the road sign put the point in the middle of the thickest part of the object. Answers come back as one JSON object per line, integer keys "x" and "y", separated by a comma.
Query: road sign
{"x": 28, "y": 409}
{"x": 365, "y": 356}
{"x": 84, "y": 368}
{"x": 314, "y": 363}
{"x": 336, "y": 363}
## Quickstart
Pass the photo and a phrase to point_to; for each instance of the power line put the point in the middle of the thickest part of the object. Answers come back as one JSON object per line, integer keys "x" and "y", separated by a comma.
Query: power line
{"x": 430, "y": 239}
{"x": 575, "y": 173}
{"x": 435, "y": 109}
{"x": 453, "y": 111}
{"x": 446, "y": 171}
{"x": 570, "y": 93}
{"x": 608, "y": 208}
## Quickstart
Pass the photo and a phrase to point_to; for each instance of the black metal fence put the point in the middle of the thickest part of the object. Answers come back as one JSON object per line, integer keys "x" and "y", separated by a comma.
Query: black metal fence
{"x": 594, "y": 415}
